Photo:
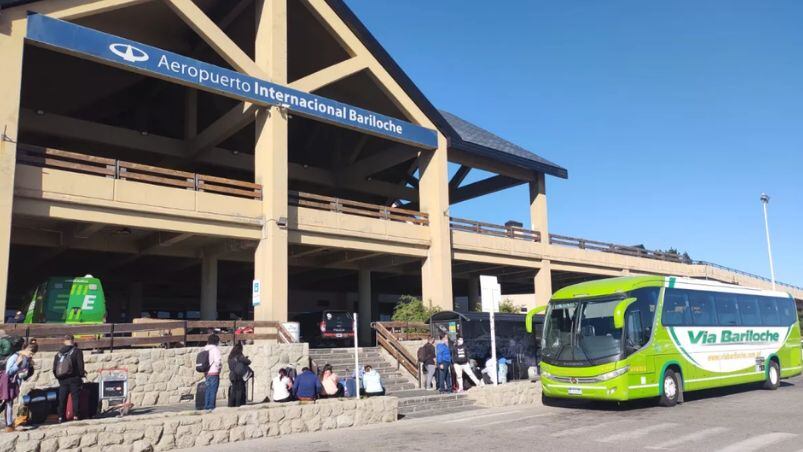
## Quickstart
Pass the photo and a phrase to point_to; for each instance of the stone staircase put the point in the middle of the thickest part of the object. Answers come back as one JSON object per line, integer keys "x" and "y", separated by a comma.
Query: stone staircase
{"x": 422, "y": 403}
{"x": 342, "y": 361}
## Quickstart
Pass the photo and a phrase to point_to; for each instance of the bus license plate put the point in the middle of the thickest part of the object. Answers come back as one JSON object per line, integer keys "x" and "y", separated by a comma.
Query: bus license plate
{"x": 575, "y": 391}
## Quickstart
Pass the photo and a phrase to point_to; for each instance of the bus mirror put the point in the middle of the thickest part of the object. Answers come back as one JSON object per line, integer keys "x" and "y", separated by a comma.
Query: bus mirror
{"x": 619, "y": 312}
{"x": 528, "y": 321}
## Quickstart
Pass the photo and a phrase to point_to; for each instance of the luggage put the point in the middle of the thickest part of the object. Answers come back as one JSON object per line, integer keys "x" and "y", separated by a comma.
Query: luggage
{"x": 350, "y": 387}
{"x": 200, "y": 396}
{"x": 40, "y": 403}
{"x": 88, "y": 398}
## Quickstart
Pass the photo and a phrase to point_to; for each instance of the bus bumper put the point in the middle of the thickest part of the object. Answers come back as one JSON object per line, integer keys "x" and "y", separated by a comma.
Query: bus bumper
{"x": 615, "y": 389}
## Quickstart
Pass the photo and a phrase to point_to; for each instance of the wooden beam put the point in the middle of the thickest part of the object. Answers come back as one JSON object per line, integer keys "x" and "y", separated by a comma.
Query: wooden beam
{"x": 483, "y": 187}
{"x": 380, "y": 161}
{"x": 458, "y": 177}
{"x": 327, "y": 178}
{"x": 329, "y": 75}
{"x": 224, "y": 127}
{"x": 210, "y": 32}
{"x": 494, "y": 166}
{"x": 357, "y": 149}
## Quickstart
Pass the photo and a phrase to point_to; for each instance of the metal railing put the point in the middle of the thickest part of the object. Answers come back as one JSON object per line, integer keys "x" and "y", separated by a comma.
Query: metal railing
{"x": 495, "y": 230}
{"x": 605, "y": 247}
{"x": 320, "y": 202}
{"x": 752, "y": 275}
{"x": 123, "y": 170}
{"x": 168, "y": 333}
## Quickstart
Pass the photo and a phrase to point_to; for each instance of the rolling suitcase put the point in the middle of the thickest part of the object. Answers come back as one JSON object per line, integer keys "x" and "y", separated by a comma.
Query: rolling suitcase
{"x": 200, "y": 396}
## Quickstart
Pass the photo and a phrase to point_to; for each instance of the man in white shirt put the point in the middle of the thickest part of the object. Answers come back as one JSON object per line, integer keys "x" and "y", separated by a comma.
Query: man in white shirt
{"x": 213, "y": 374}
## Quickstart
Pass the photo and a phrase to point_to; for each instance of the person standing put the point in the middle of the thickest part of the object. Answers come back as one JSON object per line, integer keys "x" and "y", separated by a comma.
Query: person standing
{"x": 19, "y": 367}
{"x": 444, "y": 360}
{"x": 426, "y": 355}
{"x": 213, "y": 374}
{"x": 239, "y": 372}
{"x": 68, "y": 368}
{"x": 460, "y": 357}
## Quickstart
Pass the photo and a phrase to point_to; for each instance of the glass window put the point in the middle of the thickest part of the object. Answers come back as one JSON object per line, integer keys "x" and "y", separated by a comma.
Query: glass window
{"x": 676, "y": 308}
{"x": 726, "y": 309}
{"x": 787, "y": 310}
{"x": 748, "y": 310}
{"x": 701, "y": 305}
{"x": 769, "y": 311}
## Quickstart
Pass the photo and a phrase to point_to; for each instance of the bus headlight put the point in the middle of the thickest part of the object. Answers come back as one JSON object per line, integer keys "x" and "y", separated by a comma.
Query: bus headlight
{"x": 545, "y": 374}
{"x": 612, "y": 374}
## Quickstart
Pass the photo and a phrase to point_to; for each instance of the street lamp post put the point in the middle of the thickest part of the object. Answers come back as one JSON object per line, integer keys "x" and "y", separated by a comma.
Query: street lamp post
{"x": 765, "y": 199}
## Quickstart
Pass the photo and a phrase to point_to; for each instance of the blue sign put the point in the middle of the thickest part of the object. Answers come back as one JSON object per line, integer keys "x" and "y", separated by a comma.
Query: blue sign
{"x": 137, "y": 57}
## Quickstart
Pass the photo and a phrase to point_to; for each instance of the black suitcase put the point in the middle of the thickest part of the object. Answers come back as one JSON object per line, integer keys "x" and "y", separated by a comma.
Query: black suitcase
{"x": 200, "y": 396}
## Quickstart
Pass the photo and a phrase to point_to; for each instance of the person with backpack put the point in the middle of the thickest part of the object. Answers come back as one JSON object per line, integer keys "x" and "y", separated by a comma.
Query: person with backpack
{"x": 19, "y": 367}
{"x": 209, "y": 362}
{"x": 426, "y": 356}
{"x": 239, "y": 373}
{"x": 68, "y": 368}
{"x": 461, "y": 365}
{"x": 444, "y": 360}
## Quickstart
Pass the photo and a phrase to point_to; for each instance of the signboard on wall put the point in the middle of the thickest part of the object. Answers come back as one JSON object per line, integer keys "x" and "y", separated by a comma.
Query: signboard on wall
{"x": 131, "y": 55}
{"x": 256, "y": 293}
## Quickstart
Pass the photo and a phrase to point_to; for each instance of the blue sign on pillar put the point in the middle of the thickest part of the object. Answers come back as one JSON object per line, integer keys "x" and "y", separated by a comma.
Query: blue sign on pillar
{"x": 124, "y": 53}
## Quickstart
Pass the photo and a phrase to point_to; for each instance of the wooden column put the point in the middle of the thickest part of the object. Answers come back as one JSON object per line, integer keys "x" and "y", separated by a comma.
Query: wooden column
{"x": 270, "y": 165}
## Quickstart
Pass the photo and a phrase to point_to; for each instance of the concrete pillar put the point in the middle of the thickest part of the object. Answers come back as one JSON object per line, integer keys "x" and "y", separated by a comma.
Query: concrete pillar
{"x": 433, "y": 186}
{"x": 270, "y": 165}
{"x": 365, "y": 304}
{"x": 474, "y": 294}
{"x": 209, "y": 288}
{"x": 543, "y": 283}
{"x": 135, "y": 296}
{"x": 11, "y": 46}
{"x": 538, "y": 209}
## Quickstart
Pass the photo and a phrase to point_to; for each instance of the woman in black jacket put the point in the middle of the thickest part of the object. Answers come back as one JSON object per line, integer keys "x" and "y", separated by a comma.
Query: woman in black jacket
{"x": 238, "y": 372}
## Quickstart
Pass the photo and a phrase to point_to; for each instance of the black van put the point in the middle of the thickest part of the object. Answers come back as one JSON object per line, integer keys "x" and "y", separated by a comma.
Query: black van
{"x": 328, "y": 328}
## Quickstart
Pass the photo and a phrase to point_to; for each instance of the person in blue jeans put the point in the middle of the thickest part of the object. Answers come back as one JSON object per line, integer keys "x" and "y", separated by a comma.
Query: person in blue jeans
{"x": 213, "y": 374}
{"x": 443, "y": 358}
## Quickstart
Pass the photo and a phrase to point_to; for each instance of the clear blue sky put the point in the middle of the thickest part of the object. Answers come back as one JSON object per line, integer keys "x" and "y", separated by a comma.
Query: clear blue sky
{"x": 671, "y": 117}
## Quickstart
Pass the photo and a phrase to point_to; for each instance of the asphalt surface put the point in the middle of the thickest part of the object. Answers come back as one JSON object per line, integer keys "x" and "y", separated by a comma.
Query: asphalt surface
{"x": 733, "y": 419}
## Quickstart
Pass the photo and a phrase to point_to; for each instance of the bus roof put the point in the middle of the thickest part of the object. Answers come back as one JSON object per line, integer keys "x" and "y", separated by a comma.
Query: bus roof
{"x": 627, "y": 283}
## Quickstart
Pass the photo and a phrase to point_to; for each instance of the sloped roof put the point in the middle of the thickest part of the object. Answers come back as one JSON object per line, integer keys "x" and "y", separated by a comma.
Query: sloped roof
{"x": 474, "y": 139}
{"x": 462, "y": 134}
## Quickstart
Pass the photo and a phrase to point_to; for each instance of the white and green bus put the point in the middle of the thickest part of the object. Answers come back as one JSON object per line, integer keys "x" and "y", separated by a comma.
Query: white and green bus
{"x": 649, "y": 336}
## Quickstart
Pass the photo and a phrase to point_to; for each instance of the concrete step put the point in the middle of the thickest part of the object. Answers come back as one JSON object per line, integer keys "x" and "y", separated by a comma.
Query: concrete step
{"x": 411, "y": 405}
{"x": 422, "y": 414}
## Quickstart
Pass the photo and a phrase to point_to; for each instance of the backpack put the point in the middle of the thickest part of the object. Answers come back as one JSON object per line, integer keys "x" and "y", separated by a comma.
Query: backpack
{"x": 422, "y": 355}
{"x": 202, "y": 362}
{"x": 64, "y": 365}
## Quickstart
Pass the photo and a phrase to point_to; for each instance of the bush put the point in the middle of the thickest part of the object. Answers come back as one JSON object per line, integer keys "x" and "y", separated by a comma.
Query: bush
{"x": 412, "y": 309}
{"x": 508, "y": 307}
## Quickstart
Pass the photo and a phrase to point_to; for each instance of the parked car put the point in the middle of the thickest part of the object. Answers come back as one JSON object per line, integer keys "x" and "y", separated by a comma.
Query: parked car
{"x": 328, "y": 328}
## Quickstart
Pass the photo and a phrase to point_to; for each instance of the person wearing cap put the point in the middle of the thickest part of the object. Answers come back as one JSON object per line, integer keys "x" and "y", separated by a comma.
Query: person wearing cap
{"x": 68, "y": 368}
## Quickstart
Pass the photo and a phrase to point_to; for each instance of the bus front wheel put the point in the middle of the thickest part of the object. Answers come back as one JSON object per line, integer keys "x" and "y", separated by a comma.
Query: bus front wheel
{"x": 671, "y": 389}
{"x": 773, "y": 376}
{"x": 546, "y": 400}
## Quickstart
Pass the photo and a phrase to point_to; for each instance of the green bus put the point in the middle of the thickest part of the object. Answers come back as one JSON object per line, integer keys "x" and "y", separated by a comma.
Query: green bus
{"x": 71, "y": 300}
{"x": 636, "y": 337}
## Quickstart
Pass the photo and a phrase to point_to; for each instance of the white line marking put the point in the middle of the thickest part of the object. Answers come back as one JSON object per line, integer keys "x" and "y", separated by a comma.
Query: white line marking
{"x": 516, "y": 420}
{"x": 690, "y": 437}
{"x": 758, "y": 442}
{"x": 471, "y": 417}
{"x": 637, "y": 433}
{"x": 578, "y": 430}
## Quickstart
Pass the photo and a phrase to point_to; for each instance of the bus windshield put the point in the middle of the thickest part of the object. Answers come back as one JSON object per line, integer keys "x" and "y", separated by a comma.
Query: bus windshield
{"x": 581, "y": 332}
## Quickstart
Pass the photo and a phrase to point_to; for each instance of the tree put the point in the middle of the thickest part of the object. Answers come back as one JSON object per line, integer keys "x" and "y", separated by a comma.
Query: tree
{"x": 412, "y": 309}
{"x": 508, "y": 307}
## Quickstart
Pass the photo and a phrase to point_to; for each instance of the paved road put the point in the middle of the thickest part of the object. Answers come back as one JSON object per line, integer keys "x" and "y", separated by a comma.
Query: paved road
{"x": 737, "y": 419}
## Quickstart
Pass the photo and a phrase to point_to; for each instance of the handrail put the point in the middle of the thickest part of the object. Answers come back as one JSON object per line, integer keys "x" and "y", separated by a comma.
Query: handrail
{"x": 118, "y": 169}
{"x": 606, "y": 247}
{"x": 752, "y": 275}
{"x": 321, "y": 202}
{"x": 386, "y": 340}
{"x": 168, "y": 333}
{"x": 496, "y": 230}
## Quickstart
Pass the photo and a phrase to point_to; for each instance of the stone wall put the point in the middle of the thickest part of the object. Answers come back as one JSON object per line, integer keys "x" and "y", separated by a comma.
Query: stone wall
{"x": 167, "y": 431}
{"x": 513, "y": 393}
{"x": 160, "y": 376}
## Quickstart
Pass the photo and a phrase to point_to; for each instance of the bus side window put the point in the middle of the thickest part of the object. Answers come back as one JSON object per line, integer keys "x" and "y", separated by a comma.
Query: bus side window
{"x": 726, "y": 309}
{"x": 787, "y": 310}
{"x": 676, "y": 309}
{"x": 634, "y": 336}
{"x": 769, "y": 311}
{"x": 702, "y": 308}
{"x": 748, "y": 310}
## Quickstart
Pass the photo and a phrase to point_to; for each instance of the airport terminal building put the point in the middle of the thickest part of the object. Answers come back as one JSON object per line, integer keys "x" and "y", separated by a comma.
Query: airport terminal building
{"x": 257, "y": 159}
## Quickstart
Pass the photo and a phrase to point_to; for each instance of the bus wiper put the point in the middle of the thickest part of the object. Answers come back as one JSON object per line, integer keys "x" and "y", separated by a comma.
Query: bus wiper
{"x": 582, "y": 349}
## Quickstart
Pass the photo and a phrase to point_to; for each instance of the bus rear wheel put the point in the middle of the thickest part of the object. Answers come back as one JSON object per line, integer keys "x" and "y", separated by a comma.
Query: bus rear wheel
{"x": 773, "y": 376}
{"x": 671, "y": 389}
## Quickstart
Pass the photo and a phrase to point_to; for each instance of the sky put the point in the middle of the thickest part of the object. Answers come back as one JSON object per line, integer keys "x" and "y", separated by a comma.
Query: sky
{"x": 671, "y": 117}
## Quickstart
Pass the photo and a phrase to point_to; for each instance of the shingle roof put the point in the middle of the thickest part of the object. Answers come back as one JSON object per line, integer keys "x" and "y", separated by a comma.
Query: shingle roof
{"x": 474, "y": 139}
